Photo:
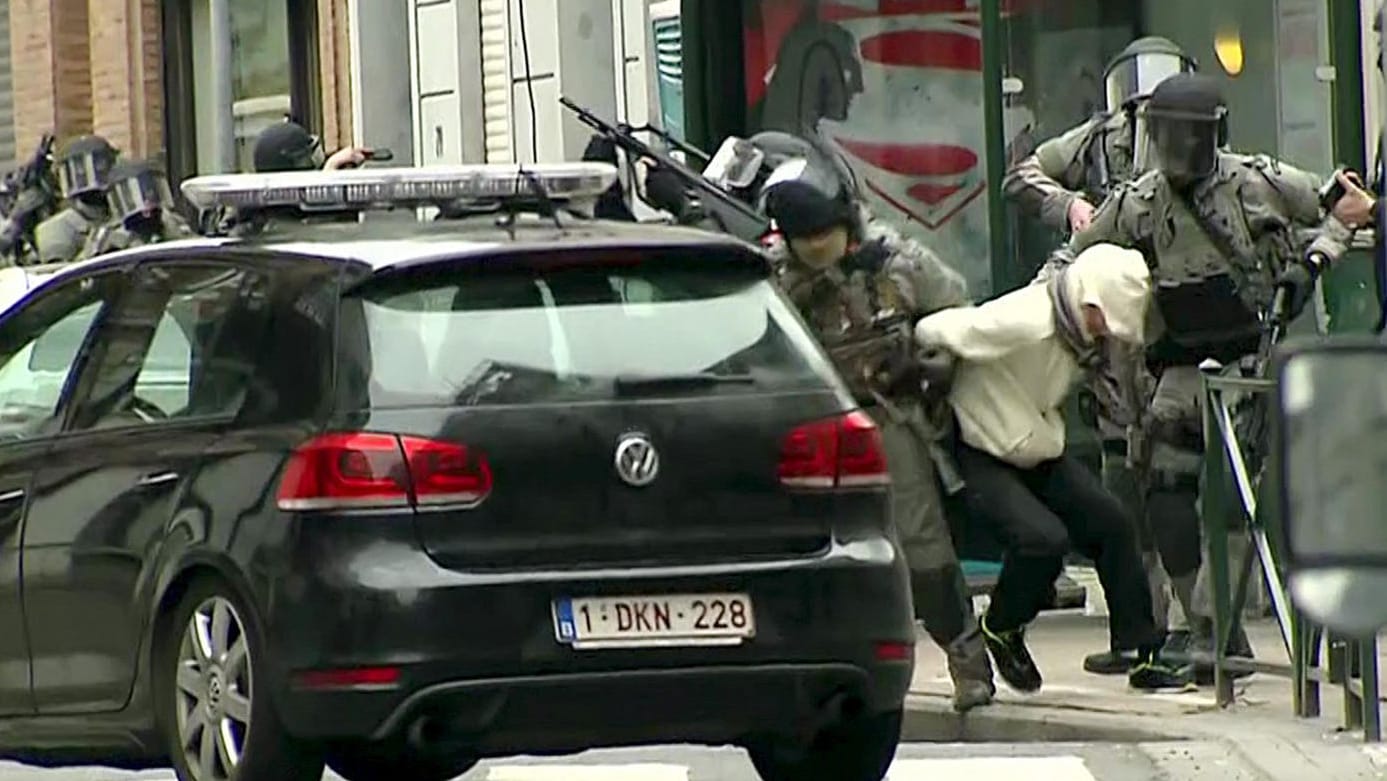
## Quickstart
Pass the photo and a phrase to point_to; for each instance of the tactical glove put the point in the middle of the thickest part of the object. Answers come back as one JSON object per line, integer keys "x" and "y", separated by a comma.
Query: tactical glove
{"x": 899, "y": 374}
{"x": 937, "y": 367}
{"x": 1299, "y": 283}
{"x": 664, "y": 189}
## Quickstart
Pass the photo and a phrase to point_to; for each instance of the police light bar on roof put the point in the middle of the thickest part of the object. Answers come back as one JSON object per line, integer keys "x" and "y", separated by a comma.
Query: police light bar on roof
{"x": 375, "y": 188}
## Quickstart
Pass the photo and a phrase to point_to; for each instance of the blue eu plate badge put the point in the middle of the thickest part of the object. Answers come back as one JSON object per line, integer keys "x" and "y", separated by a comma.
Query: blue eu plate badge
{"x": 563, "y": 620}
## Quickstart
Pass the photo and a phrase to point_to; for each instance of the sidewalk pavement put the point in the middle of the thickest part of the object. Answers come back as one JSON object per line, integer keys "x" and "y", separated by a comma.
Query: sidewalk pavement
{"x": 1075, "y": 706}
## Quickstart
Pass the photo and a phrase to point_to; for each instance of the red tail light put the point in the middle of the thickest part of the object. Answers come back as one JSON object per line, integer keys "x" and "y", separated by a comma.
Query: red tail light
{"x": 354, "y": 470}
{"x": 841, "y": 452}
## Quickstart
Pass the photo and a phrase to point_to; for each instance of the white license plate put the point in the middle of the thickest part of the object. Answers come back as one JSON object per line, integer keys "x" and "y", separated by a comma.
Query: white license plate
{"x": 655, "y": 620}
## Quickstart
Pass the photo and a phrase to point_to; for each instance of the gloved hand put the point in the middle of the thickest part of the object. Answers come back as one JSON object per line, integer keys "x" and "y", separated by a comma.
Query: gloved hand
{"x": 600, "y": 149}
{"x": 900, "y": 373}
{"x": 1299, "y": 283}
{"x": 664, "y": 189}
{"x": 937, "y": 366}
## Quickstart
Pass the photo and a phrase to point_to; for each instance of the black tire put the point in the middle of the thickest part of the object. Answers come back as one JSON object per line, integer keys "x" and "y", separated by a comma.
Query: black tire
{"x": 859, "y": 750}
{"x": 267, "y": 752}
{"x": 369, "y": 762}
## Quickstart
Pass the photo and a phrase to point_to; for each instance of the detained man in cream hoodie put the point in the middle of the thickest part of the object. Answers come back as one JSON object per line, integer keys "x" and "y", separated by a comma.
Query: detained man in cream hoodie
{"x": 1016, "y": 359}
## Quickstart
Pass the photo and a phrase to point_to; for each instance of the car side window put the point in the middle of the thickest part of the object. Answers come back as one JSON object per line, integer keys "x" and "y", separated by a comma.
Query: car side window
{"x": 41, "y": 345}
{"x": 181, "y": 346}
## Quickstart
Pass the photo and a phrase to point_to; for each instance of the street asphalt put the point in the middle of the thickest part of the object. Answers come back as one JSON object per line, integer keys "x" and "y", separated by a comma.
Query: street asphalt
{"x": 1184, "y": 761}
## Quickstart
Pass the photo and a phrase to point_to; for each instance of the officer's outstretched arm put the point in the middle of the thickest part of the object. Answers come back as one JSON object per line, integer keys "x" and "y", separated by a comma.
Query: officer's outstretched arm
{"x": 1045, "y": 183}
{"x": 929, "y": 283}
{"x": 1295, "y": 194}
{"x": 1112, "y": 223}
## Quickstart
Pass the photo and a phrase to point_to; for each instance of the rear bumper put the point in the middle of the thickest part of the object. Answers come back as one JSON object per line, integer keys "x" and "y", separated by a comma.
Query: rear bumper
{"x": 479, "y": 663}
{"x": 571, "y": 712}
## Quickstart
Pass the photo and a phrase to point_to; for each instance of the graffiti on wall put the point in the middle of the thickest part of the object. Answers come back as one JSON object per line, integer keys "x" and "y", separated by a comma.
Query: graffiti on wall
{"x": 896, "y": 86}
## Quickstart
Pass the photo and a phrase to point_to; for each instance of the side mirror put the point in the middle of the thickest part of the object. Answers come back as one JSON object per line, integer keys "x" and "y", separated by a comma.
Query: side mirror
{"x": 1330, "y": 462}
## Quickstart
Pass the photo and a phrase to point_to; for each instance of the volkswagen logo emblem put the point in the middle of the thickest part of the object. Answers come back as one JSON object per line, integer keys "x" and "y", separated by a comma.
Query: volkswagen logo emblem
{"x": 637, "y": 462}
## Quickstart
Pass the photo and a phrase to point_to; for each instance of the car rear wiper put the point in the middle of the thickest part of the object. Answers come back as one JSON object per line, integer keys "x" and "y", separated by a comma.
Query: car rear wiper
{"x": 632, "y": 382}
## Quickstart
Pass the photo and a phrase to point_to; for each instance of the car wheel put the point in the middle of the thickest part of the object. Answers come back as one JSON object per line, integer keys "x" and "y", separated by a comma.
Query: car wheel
{"x": 859, "y": 750}
{"x": 372, "y": 763}
{"x": 218, "y": 723}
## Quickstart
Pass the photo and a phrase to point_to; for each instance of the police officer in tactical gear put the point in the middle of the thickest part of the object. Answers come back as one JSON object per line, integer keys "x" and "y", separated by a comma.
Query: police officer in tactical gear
{"x": 848, "y": 276}
{"x": 288, "y": 146}
{"x": 1219, "y": 232}
{"x": 1060, "y": 184}
{"x": 84, "y": 167}
{"x": 141, "y": 207}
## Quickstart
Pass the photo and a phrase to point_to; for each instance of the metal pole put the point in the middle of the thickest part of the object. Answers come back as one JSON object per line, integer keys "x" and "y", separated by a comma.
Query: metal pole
{"x": 993, "y": 60}
{"x": 224, "y": 119}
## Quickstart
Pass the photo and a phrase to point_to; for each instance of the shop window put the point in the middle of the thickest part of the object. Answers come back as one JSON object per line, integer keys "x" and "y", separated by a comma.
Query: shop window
{"x": 274, "y": 74}
{"x": 1054, "y": 54}
{"x": 899, "y": 92}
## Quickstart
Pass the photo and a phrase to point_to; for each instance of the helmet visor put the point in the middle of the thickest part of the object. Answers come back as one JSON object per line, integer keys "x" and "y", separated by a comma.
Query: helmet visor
{"x": 735, "y": 165}
{"x": 139, "y": 196}
{"x": 1137, "y": 76}
{"x": 1186, "y": 148}
{"x": 84, "y": 173}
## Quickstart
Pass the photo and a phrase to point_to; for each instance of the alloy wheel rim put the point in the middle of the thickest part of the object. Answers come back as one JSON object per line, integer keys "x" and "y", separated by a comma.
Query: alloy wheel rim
{"x": 213, "y": 687}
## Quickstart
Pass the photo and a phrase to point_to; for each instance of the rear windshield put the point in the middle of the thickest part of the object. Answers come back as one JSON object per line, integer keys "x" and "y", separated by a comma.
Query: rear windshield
{"x": 469, "y": 336}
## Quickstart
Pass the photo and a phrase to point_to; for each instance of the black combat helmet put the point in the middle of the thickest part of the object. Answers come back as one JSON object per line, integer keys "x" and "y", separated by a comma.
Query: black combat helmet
{"x": 84, "y": 166}
{"x": 287, "y": 146}
{"x": 1139, "y": 68}
{"x": 138, "y": 194}
{"x": 1188, "y": 121}
{"x": 806, "y": 199}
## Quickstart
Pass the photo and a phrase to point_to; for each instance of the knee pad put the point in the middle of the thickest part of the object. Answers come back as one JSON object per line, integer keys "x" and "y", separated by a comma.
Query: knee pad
{"x": 1174, "y": 520}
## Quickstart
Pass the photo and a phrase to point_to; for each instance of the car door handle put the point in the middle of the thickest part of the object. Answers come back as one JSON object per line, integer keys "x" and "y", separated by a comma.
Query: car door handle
{"x": 10, "y": 496}
{"x": 158, "y": 478}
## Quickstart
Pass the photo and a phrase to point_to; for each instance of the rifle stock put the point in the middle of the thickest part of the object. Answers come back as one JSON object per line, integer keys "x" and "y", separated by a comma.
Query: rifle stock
{"x": 736, "y": 217}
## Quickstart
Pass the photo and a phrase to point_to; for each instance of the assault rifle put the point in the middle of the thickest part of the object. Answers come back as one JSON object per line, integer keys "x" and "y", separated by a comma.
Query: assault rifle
{"x": 30, "y": 195}
{"x": 735, "y": 217}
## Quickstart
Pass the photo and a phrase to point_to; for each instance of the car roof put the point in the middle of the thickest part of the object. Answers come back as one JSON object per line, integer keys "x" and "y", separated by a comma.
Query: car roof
{"x": 398, "y": 240}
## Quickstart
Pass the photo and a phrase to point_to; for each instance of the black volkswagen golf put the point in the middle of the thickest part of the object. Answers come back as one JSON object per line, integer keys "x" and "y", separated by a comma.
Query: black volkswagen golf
{"x": 394, "y": 496}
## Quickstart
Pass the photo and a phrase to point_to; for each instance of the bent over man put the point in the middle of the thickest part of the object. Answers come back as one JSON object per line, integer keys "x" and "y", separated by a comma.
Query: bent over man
{"x": 1061, "y": 184}
{"x": 1019, "y": 357}
{"x": 848, "y": 276}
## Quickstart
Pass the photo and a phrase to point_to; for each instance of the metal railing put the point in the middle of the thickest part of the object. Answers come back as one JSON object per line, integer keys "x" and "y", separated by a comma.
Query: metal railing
{"x": 1351, "y": 663}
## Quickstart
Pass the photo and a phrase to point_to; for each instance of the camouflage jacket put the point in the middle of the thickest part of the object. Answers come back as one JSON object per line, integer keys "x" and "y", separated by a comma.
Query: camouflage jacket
{"x": 60, "y": 238}
{"x": 888, "y": 276}
{"x": 1266, "y": 207}
{"x": 1245, "y": 223}
{"x": 1087, "y": 160}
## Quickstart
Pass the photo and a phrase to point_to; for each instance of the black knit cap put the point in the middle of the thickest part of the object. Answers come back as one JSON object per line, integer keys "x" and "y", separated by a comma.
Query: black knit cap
{"x": 802, "y": 210}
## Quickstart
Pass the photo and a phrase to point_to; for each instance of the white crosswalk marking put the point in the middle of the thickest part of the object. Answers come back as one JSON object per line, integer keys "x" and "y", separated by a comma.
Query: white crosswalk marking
{"x": 990, "y": 769}
{"x": 635, "y": 771}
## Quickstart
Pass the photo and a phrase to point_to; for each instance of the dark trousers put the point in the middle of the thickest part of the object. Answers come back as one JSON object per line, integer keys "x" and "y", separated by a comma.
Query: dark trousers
{"x": 1039, "y": 515}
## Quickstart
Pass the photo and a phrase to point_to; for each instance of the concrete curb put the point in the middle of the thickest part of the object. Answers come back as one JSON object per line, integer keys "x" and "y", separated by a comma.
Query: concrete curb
{"x": 931, "y": 719}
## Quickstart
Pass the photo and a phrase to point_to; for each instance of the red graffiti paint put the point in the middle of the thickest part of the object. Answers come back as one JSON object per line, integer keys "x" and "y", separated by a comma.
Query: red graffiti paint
{"x": 913, "y": 159}
{"x": 924, "y": 49}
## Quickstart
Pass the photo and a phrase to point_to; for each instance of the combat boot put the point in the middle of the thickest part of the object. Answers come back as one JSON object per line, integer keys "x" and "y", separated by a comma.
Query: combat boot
{"x": 1152, "y": 673}
{"x": 971, "y": 671}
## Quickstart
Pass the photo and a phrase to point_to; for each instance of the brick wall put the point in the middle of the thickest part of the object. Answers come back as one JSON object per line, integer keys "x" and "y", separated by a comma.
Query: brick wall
{"x": 334, "y": 54}
{"x": 79, "y": 72}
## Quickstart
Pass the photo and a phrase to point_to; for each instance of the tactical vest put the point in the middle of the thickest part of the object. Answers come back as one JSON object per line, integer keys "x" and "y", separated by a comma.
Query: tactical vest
{"x": 1212, "y": 279}
{"x": 843, "y": 304}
